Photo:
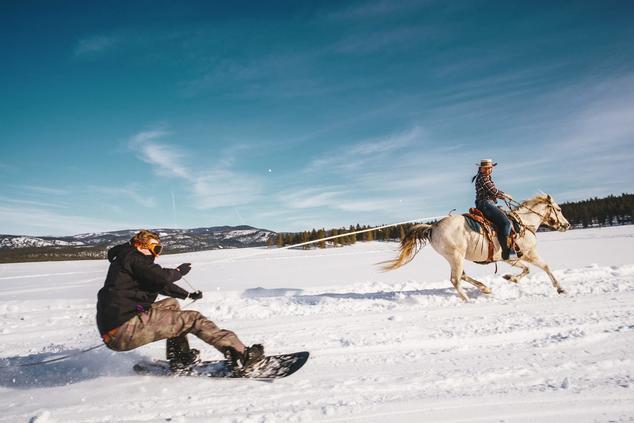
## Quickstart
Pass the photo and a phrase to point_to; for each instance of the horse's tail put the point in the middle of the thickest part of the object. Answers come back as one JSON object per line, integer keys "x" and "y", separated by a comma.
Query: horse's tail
{"x": 415, "y": 239}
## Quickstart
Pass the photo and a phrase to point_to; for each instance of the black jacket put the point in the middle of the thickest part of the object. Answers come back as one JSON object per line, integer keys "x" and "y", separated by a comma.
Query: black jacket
{"x": 132, "y": 285}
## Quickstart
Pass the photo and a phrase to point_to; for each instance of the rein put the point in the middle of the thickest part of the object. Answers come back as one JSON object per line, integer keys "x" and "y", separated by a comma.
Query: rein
{"x": 542, "y": 216}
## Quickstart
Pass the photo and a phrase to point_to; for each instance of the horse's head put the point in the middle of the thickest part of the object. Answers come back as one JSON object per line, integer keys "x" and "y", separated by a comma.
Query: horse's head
{"x": 554, "y": 218}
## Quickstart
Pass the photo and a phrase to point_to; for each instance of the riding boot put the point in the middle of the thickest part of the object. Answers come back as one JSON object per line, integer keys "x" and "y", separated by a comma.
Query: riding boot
{"x": 509, "y": 252}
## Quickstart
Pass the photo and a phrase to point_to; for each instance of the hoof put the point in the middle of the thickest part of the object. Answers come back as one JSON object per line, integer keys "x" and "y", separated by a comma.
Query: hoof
{"x": 561, "y": 291}
{"x": 511, "y": 278}
{"x": 486, "y": 290}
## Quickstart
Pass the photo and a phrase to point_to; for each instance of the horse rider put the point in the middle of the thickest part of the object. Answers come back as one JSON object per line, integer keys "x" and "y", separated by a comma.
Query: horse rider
{"x": 487, "y": 195}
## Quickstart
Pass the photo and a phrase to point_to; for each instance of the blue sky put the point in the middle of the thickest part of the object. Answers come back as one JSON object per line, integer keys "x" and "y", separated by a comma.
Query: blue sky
{"x": 299, "y": 115}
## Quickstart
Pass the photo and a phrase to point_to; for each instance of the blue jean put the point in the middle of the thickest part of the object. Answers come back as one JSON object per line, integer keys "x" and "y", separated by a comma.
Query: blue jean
{"x": 502, "y": 222}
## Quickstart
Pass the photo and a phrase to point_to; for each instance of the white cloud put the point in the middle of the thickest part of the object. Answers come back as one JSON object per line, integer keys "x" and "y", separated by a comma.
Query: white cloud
{"x": 222, "y": 188}
{"x": 166, "y": 159}
{"x": 44, "y": 190}
{"x": 395, "y": 177}
{"x": 309, "y": 198}
{"x": 95, "y": 44}
{"x": 377, "y": 8}
{"x": 337, "y": 198}
{"x": 43, "y": 221}
{"x": 210, "y": 188}
{"x": 355, "y": 157}
{"x": 131, "y": 192}
{"x": 32, "y": 203}
{"x": 602, "y": 126}
{"x": 363, "y": 43}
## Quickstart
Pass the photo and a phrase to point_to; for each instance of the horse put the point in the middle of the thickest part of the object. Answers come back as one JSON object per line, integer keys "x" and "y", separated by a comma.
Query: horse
{"x": 453, "y": 239}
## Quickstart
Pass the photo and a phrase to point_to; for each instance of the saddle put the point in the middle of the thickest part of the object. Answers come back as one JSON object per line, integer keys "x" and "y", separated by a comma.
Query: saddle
{"x": 479, "y": 223}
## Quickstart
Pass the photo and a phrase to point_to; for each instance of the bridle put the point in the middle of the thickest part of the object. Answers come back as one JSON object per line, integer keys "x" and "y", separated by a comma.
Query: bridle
{"x": 545, "y": 218}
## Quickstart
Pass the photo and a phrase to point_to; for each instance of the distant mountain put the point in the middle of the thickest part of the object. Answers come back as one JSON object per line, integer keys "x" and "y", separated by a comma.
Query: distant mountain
{"x": 18, "y": 248}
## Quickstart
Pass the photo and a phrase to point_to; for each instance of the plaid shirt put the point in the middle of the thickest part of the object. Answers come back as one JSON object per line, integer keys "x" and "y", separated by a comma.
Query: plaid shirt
{"x": 486, "y": 189}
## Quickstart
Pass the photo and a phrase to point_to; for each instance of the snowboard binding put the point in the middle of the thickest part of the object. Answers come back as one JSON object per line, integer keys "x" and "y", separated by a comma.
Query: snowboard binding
{"x": 181, "y": 358}
{"x": 238, "y": 362}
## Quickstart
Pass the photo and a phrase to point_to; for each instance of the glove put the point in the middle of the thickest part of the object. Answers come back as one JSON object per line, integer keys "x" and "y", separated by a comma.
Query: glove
{"x": 196, "y": 295}
{"x": 184, "y": 268}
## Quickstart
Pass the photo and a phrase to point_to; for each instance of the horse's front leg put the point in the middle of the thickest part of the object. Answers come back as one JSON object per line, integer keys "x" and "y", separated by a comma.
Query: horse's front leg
{"x": 482, "y": 287}
{"x": 533, "y": 258}
{"x": 516, "y": 278}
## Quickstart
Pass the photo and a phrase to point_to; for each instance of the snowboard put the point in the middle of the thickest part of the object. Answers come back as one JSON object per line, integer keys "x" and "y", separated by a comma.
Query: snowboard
{"x": 270, "y": 367}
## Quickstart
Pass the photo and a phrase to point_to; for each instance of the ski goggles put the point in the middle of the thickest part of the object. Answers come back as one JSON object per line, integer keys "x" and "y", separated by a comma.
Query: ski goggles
{"x": 154, "y": 246}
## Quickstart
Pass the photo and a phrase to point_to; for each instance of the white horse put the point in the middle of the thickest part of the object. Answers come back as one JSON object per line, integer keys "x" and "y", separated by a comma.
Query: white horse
{"x": 453, "y": 239}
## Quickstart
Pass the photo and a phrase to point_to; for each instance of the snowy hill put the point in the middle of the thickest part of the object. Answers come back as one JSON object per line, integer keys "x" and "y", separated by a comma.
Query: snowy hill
{"x": 9, "y": 242}
{"x": 397, "y": 346}
{"x": 16, "y": 248}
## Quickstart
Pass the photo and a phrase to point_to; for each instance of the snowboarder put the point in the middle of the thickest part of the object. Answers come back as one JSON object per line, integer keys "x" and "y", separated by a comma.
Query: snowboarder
{"x": 487, "y": 195}
{"x": 128, "y": 316}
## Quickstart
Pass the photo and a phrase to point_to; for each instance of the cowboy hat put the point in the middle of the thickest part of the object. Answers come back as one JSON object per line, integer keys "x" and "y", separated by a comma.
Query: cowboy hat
{"x": 486, "y": 163}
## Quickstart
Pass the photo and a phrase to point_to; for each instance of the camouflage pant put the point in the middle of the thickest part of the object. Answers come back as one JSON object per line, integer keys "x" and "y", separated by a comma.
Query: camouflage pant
{"x": 165, "y": 320}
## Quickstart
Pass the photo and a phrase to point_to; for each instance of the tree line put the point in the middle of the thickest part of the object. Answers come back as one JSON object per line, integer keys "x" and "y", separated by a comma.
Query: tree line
{"x": 607, "y": 211}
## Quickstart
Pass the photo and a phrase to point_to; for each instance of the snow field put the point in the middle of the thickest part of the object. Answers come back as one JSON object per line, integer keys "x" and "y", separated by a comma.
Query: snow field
{"x": 397, "y": 346}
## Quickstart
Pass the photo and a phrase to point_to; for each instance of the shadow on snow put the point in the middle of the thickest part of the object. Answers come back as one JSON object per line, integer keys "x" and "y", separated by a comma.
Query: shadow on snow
{"x": 86, "y": 366}
{"x": 296, "y": 295}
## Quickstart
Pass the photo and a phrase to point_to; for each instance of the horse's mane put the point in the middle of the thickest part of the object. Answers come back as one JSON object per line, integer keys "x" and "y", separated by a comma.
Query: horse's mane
{"x": 541, "y": 197}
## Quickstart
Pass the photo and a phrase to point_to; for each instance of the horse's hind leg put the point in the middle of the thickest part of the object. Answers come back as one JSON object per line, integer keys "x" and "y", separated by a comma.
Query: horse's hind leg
{"x": 482, "y": 287}
{"x": 457, "y": 266}
{"x": 516, "y": 278}
{"x": 533, "y": 258}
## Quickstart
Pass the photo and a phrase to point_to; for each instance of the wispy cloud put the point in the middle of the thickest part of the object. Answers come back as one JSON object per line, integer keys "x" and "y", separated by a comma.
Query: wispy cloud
{"x": 166, "y": 159}
{"x": 42, "y": 221}
{"x": 5, "y": 167}
{"x": 377, "y": 40}
{"x": 45, "y": 190}
{"x": 604, "y": 121}
{"x": 584, "y": 146}
{"x": 311, "y": 197}
{"x": 224, "y": 188}
{"x": 335, "y": 198}
{"x": 277, "y": 76}
{"x": 210, "y": 188}
{"x": 404, "y": 175}
{"x": 359, "y": 155}
{"x": 130, "y": 192}
{"x": 147, "y": 43}
{"x": 33, "y": 203}
{"x": 95, "y": 44}
{"x": 377, "y": 9}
